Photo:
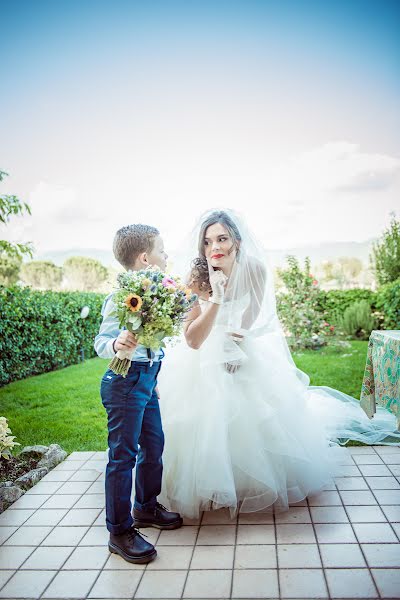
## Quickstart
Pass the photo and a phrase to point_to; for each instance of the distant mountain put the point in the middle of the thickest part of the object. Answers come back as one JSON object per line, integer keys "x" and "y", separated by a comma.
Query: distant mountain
{"x": 316, "y": 252}
{"x": 106, "y": 257}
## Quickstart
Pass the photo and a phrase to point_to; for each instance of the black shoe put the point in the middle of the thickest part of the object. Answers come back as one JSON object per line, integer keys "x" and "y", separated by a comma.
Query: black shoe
{"x": 160, "y": 517}
{"x": 132, "y": 547}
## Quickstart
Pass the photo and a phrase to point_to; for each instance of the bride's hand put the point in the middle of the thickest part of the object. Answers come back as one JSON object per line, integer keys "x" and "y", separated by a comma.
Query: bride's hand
{"x": 218, "y": 281}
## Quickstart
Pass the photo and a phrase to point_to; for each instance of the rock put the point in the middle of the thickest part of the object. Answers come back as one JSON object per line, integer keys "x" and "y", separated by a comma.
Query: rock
{"x": 54, "y": 455}
{"x": 10, "y": 494}
{"x": 29, "y": 479}
{"x": 6, "y": 484}
{"x": 38, "y": 450}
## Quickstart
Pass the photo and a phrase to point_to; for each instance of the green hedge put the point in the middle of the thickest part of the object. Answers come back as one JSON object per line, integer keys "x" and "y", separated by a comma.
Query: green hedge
{"x": 42, "y": 331}
{"x": 334, "y": 302}
{"x": 388, "y": 303}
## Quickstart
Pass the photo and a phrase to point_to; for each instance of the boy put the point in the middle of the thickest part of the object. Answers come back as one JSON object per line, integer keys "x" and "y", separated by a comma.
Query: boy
{"x": 133, "y": 415}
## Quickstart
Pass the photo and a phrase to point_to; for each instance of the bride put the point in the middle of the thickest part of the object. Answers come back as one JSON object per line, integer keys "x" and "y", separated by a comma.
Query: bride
{"x": 243, "y": 427}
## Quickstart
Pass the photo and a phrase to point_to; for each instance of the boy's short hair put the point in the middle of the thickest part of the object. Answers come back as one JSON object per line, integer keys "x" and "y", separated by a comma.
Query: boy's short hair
{"x": 132, "y": 240}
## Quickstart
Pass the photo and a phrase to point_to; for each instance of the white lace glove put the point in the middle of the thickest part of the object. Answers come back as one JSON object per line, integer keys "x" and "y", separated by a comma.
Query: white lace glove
{"x": 217, "y": 282}
{"x": 232, "y": 367}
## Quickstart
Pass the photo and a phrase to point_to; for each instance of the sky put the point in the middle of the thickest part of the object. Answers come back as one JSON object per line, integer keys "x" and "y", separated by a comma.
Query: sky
{"x": 125, "y": 111}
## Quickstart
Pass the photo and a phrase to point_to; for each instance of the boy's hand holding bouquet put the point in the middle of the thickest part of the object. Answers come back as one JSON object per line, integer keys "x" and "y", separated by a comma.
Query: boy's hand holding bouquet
{"x": 152, "y": 306}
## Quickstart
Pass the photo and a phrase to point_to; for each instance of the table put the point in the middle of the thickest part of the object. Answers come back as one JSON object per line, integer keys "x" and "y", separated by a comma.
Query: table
{"x": 381, "y": 383}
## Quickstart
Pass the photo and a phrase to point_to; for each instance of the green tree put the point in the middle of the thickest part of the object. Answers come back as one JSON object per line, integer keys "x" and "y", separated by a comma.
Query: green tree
{"x": 10, "y": 206}
{"x": 84, "y": 274}
{"x": 41, "y": 274}
{"x": 9, "y": 269}
{"x": 385, "y": 257}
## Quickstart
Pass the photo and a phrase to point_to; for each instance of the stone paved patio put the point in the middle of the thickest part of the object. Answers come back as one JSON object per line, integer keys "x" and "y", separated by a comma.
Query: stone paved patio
{"x": 343, "y": 543}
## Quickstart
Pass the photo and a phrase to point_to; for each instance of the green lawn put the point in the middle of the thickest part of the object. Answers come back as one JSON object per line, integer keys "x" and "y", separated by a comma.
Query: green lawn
{"x": 64, "y": 406}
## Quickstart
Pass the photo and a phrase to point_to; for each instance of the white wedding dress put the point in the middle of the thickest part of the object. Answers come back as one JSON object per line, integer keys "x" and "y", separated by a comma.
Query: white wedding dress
{"x": 259, "y": 437}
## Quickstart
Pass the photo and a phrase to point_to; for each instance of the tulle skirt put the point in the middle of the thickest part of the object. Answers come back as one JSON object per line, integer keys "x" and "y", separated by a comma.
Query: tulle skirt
{"x": 256, "y": 438}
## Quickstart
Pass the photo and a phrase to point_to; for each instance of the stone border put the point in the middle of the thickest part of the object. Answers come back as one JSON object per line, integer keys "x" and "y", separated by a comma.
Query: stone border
{"x": 10, "y": 491}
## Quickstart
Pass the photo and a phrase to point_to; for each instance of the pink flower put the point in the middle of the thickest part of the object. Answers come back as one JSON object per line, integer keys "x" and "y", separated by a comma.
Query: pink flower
{"x": 168, "y": 282}
{"x": 331, "y": 328}
{"x": 315, "y": 282}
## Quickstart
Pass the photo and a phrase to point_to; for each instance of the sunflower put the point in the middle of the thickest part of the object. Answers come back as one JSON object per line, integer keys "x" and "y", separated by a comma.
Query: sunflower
{"x": 133, "y": 302}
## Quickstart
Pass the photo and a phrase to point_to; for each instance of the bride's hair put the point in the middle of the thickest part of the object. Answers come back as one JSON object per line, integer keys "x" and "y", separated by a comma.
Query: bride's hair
{"x": 199, "y": 276}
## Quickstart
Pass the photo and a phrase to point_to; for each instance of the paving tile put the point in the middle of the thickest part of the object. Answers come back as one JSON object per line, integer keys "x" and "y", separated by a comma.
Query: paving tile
{"x": 101, "y": 519}
{"x": 374, "y": 532}
{"x": 85, "y": 475}
{"x": 213, "y": 557}
{"x": 185, "y": 536}
{"x": 325, "y": 499}
{"x": 328, "y": 514}
{"x": 161, "y": 584}
{"x": 260, "y": 583}
{"x": 21, "y": 581}
{"x": 71, "y": 465}
{"x": 74, "y": 487}
{"x": 368, "y": 459}
{"x": 294, "y": 515}
{"x": 64, "y": 536}
{"x": 395, "y": 470}
{"x": 357, "y": 497}
{"x": 44, "y": 487}
{"x": 350, "y": 471}
{"x": 334, "y": 533}
{"x": 383, "y": 483}
{"x": 392, "y": 512}
{"x": 47, "y": 558}
{"x": 255, "y": 557}
{"x": 396, "y": 527}
{"x": 81, "y": 455}
{"x": 16, "y": 518}
{"x": 116, "y": 584}
{"x": 6, "y": 533}
{"x": 87, "y": 558}
{"x": 91, "y": 501}
{"x": 351, "y": 483}
{"x": 298, "y": 556}
{"x": 81, "y": 516}
{"x": 47, "y": 517}
{"x": 295, "y": 534}
{"x": 30, "y": 501}
{"x": 56, "y": 476}
{"x": 392, "y": 459}
{"x": 208, "y": 584}
{"x": 375, "y": 470}
{"x": 357, "y": 450}
{"x": 350, "y": 583}
{"x": 365, "y": 514}
{"x": 384, "y": 449}
{"x": 387, "y": 496}
{"x": 173, "y": 557}
{"x": 213, "y": 535}
{"x": 97, "y": 487}
{"x": 388, "y": 582}
{"x": 302, "y": 583}
{"x": 12, "y": 557}
{"x": 218, "y": 517}
{"x": 95, "y": 536}
{"x": 94, "y": 465}
{"x": 115, "y": 563}
{"x": 255, "y": 534}
{"x": 254, "y": 518}
{"x": 382, "y": 555}
{"x": 5, "y": 576}
{"x": 61, "y": 501}
{"x": 28, "y": 536}
{"x": 341, "y": 555}
{"x": 71, "y": 584}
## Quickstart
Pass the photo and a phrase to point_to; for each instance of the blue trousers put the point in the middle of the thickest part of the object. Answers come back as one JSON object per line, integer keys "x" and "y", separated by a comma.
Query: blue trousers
{"x": 135, "y": 437}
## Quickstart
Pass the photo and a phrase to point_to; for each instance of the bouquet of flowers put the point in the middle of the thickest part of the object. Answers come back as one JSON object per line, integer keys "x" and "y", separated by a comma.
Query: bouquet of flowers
{"x": 152, "y": 305}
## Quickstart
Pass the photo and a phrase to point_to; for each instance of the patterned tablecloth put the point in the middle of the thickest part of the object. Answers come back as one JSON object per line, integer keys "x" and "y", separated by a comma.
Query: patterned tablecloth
{"x": 381, "y": 384}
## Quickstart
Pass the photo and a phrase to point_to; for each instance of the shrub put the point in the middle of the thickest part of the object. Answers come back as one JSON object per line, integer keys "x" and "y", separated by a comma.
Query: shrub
{"x": 42, "y": 331}
{"x": 388, "y": 305}
{"x": 357, "y": 320}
